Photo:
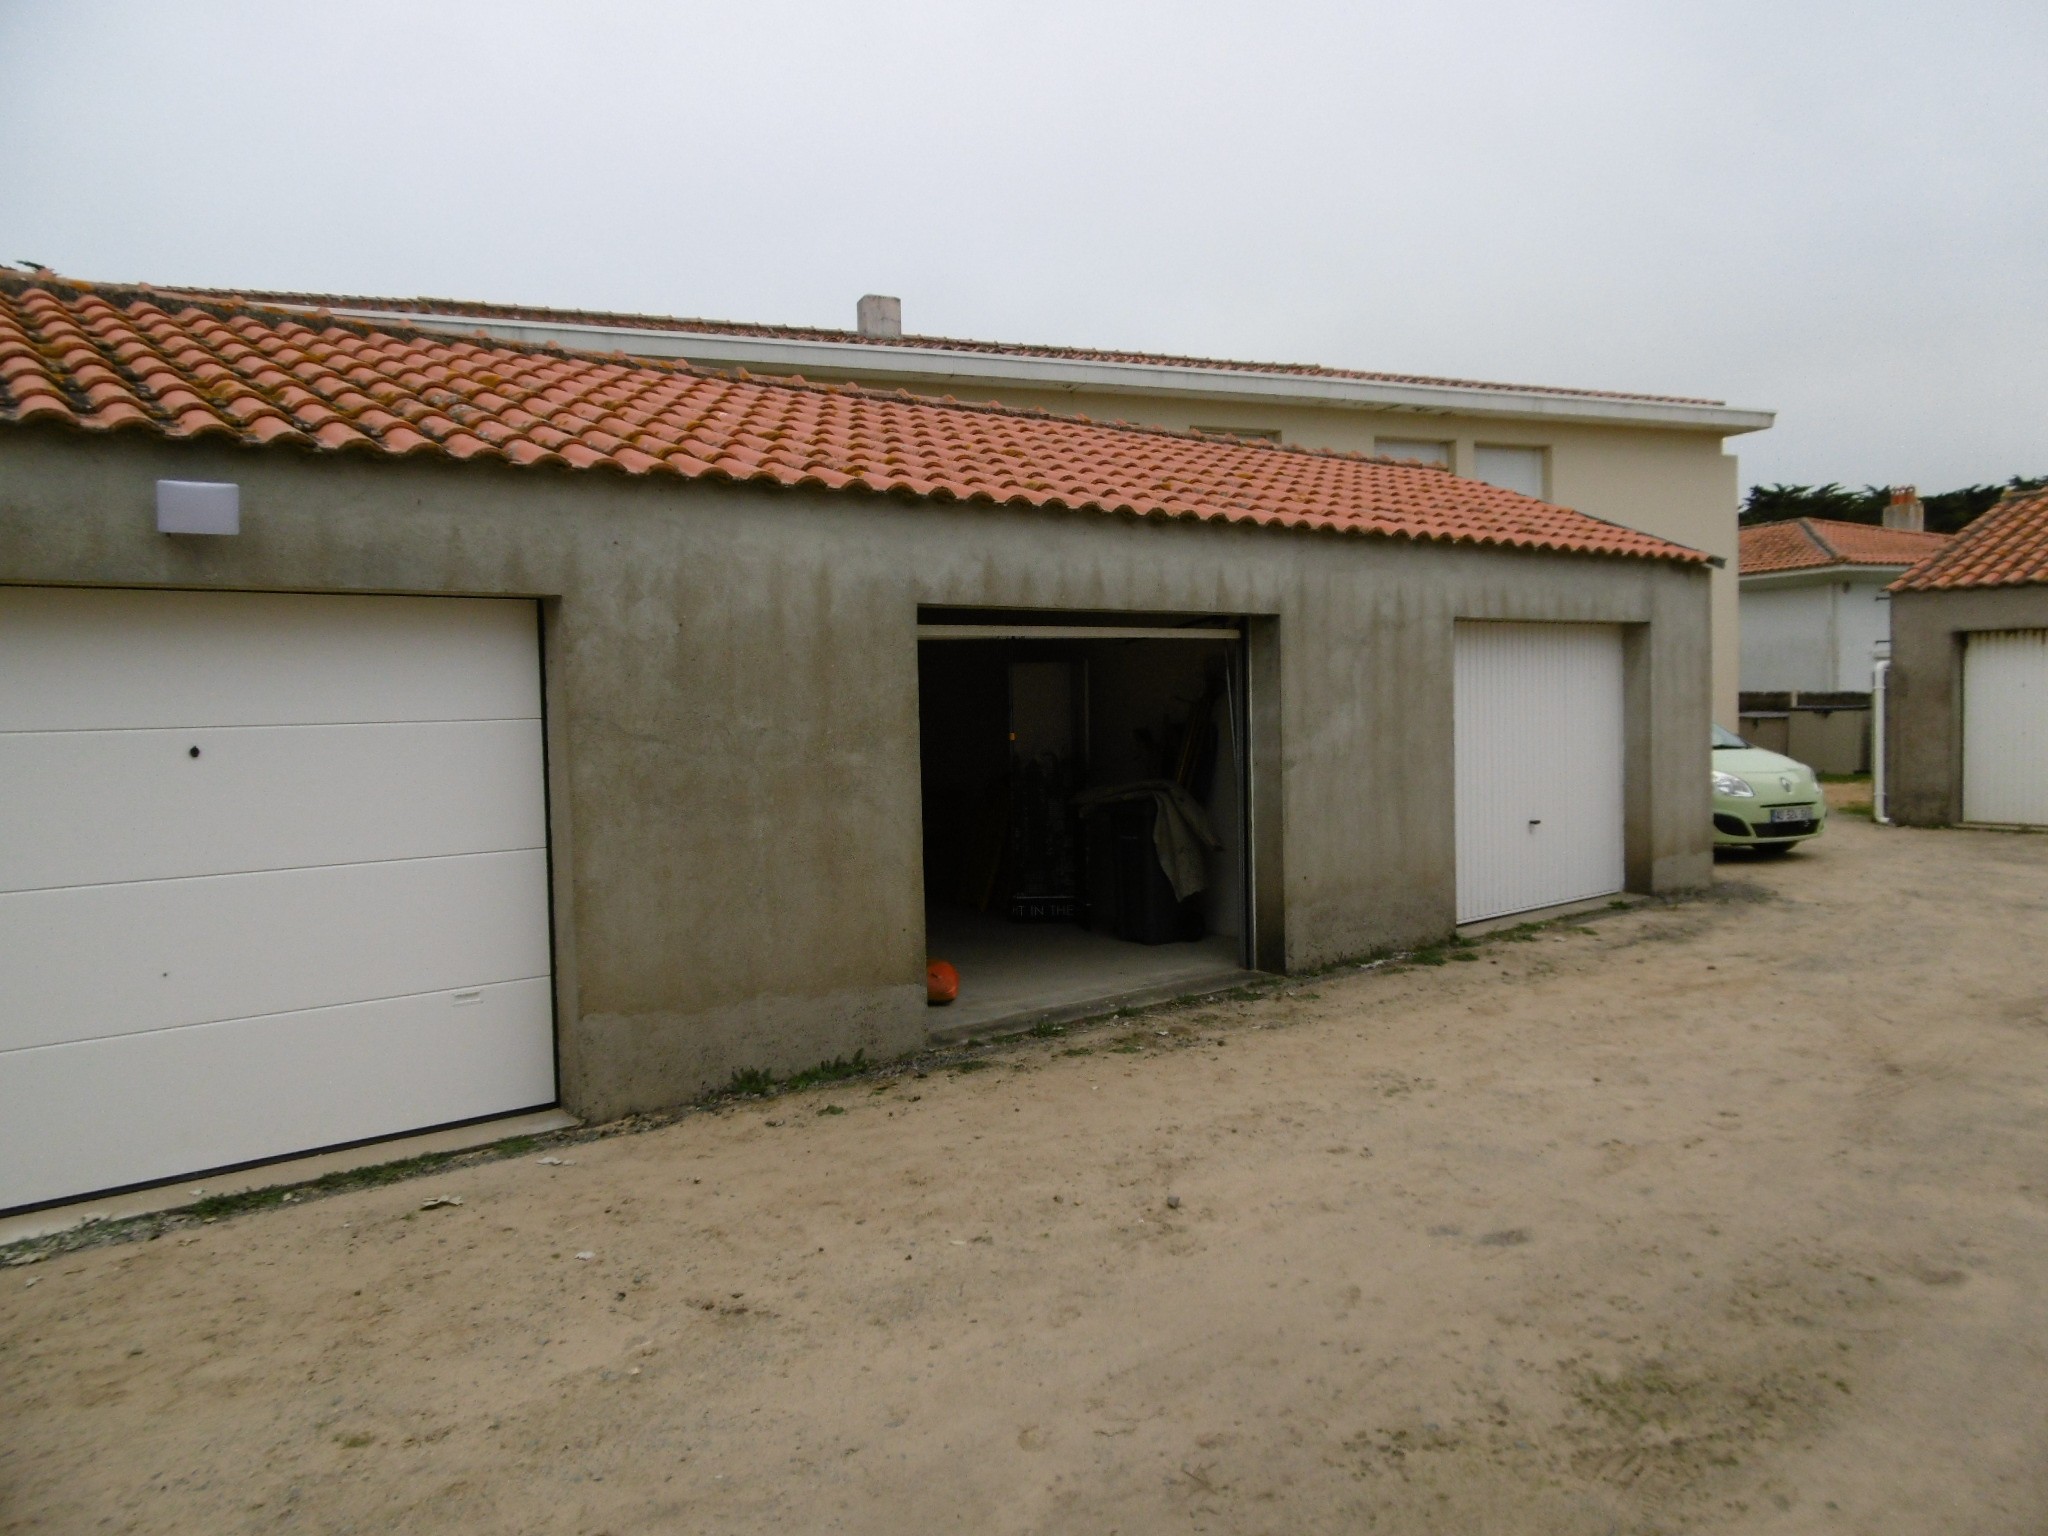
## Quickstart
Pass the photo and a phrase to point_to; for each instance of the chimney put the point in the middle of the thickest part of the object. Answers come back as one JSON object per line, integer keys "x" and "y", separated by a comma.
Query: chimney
{"x": 1906, "y": 510}
{"x": 881, "y": 316}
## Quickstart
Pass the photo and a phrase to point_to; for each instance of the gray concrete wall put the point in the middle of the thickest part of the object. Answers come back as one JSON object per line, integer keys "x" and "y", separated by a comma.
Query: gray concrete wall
{"x": 1675, "y": 483}
{"x": 1924, "y": 702}
{"x": 732, "y": 696}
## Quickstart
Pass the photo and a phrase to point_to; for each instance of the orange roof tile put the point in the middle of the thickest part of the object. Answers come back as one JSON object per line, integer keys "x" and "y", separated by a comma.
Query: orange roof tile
{"x": 2006, "y": 547}
{"x": 110, "y": 360}
{"x": 445, "y": 308}
{"x": 1815, "y": 543}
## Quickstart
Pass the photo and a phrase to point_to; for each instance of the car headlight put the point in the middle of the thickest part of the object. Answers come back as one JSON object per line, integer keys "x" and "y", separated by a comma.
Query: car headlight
{"x": 1728, "y": 784}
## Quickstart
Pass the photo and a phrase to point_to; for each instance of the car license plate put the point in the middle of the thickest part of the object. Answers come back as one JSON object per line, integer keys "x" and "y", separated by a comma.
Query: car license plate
{"x": 1791, "y": 813}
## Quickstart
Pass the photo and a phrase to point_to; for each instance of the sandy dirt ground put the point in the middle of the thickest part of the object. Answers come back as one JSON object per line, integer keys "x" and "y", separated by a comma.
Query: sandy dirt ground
{"x": 1729, "y": 1216}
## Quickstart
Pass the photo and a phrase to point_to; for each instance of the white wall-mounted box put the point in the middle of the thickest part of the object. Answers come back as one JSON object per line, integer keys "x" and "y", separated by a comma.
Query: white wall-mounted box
{"x": 198, "y": 506}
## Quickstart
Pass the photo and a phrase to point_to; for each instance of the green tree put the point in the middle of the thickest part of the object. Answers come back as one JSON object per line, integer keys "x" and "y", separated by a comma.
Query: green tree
{"x": 1947, "y": 511}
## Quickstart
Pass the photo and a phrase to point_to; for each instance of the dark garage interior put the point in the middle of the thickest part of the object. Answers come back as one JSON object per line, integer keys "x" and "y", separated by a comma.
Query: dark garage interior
{"x": 1083, "y": 793}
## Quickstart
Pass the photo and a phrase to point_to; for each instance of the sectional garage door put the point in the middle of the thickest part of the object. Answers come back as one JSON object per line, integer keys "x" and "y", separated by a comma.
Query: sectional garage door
{"x": 2005, "y": 727}
{"x": 1539, "y": 765}
{"x": 273, "y": 877}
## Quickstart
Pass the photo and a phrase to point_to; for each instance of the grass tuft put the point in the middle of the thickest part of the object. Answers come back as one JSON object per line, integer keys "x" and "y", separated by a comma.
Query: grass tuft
{"x": 833, "y": 1071}
{"x": 216, "y": 1206}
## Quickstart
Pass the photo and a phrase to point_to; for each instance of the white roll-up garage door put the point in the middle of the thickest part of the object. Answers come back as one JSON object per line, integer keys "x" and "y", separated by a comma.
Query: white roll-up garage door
{"x": 273, "y": 877}
{"x": 2005, "y": 727}
{"x": 1539, "y": 765}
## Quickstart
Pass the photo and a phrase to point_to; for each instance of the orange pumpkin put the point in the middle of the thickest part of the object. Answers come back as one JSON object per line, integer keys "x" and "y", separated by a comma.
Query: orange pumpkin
{"x": 941, "y": 983}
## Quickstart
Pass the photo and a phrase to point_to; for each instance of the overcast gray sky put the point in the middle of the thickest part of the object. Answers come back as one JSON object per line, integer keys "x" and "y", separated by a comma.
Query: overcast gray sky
{"x": 1836, "y": 210}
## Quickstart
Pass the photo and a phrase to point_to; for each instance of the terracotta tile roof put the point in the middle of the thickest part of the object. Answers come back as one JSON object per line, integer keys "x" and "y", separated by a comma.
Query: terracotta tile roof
{"x": 110, "y": 360}
{"x": 1814, "y": 543}
{"x": 455, "y": 308}
{"x": 2006, "y": 547}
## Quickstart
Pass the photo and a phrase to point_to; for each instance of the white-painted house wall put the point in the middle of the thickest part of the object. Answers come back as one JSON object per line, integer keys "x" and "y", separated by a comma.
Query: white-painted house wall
{"x": 1814, "y": 631}
{"x": 1863, "y": 618}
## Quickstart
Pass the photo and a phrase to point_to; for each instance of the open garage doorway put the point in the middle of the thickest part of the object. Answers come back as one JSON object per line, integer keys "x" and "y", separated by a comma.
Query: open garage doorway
{"x": 1085, "y": 793}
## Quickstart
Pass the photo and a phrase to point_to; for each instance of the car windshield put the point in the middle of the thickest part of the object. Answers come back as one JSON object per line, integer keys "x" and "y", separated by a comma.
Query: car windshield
{"x": 1724, "y": 739}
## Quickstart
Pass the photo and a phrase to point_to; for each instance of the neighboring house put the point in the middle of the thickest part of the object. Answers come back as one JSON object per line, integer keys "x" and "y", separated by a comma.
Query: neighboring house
{"x": 1649, "y": 462}
{"x": 1967, "y": 690}
{"x": 1814, "y": 607}
{"x": 403, "y": 729}
{"x": 1814, "y": 612}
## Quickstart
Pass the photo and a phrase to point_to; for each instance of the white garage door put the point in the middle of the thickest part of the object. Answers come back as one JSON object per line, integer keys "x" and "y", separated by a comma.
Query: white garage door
{"x": 2005, "y": 727}
{"x": 1539, "y": 765}
{"x": 273, "y": 876}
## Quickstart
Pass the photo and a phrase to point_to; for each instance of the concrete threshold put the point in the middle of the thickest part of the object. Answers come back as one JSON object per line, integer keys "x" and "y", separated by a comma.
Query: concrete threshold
{"x": 1187, "y": 989}
{"x": 1545, "y": 914}
{"x": 294, "y": 1170}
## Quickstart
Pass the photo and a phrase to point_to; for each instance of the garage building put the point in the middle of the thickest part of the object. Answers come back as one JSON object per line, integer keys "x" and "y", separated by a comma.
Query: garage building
{"x": 403, "y": 730}
{"x": 1662, "y": 464}
{"x": 1967, "y": 692}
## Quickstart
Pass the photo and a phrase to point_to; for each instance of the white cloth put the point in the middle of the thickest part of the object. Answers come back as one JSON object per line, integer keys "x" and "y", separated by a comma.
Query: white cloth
{"x": 1180, "y": 829}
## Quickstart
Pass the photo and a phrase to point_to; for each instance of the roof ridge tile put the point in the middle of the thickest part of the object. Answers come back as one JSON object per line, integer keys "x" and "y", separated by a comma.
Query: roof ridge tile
{"x": 2006, "y": 547}
{"x": 1812, "y": 544}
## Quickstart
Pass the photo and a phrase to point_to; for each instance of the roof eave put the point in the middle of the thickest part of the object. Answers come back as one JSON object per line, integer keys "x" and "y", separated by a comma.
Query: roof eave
{"x": 933, "y": 366}
{"x": 1833, "y": 570}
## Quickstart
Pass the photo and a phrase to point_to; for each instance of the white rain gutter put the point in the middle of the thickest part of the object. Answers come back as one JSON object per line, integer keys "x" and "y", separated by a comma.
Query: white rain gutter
{"x": 1821, "y": 575}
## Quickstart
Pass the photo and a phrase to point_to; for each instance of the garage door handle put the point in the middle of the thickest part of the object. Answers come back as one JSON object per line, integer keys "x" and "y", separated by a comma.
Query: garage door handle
{"x": 1535, "y": 821}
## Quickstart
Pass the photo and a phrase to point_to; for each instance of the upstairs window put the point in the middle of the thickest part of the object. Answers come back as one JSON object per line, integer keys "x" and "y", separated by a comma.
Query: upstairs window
{"x": 1514, "y": 469}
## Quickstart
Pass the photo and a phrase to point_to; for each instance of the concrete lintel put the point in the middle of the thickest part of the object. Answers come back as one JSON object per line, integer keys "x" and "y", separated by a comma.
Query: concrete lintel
{"x": 1066, "y": 632}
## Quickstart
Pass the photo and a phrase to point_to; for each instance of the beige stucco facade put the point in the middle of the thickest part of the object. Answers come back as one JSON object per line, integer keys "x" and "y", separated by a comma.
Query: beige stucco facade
{"x": 731, "y": 695}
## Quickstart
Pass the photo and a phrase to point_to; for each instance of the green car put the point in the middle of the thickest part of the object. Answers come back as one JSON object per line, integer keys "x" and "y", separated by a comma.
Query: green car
{"x": 1762, "y": 800}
